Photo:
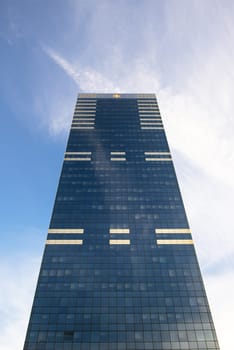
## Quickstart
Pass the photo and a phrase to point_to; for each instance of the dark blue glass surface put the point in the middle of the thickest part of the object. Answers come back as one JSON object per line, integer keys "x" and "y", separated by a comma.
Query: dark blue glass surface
{"x": 102, "y": 296}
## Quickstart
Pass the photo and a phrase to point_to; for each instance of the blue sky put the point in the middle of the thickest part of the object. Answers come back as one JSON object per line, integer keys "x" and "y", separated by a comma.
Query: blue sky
{"x": 182, "y": 50}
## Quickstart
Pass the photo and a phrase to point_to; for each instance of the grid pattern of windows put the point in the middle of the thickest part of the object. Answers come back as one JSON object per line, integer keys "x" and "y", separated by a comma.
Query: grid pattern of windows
{"x": 119, "y": 270}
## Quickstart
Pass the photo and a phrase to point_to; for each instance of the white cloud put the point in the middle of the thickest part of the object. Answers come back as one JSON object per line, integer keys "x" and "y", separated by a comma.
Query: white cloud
{"x": 196, "y": 132}
{"x": 18, "y": 281}
{"x": 55, "y": 113}
{"x": 219, "y": 289}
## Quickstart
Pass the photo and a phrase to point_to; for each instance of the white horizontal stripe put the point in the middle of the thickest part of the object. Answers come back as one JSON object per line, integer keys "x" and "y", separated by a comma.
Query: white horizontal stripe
{"x": 151, "y": 123}
{"x": 84, "y": 119}
{"x": 148, "y": 111}
{"x": 152, "y": 103}
{"x": 158, "y": 159}
{"x": 82, "y": 123}
{"x": 118, "y": 153}
{"x": 66, "y": 230}
{"x": 89, "y": 104}
{"x": 150, "y": 119}
{"x": 86, "y": 104}
{"x": 155, "y": 128}
{"x": 119, "y": 241}
{"x": 85, "y": 107}
{"x": 119, "y": 230}
{"x": 172, "y": 230}
{"x": 148, "y": 108}
{"x": 147, "y": 101}
{"x": 85, "y": 112}
{"x": 64, "y": 241}
{"x": 88, "y": 100}
{"x": 77, "y": 159}
{"x": 174, "y": 241}
{"x": 118, "y": 159}
{"x": 84, "y": 115}
{"x": 151, "y": 116}
{"x": 82, "y": 127}
{"x": 156, "y": 153}
{"x": 142, "y": 105}
{"x": 77, "y": 152}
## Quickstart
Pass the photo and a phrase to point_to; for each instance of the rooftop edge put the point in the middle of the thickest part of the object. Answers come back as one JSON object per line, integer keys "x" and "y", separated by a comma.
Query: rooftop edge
{"x": 115, "y": 95}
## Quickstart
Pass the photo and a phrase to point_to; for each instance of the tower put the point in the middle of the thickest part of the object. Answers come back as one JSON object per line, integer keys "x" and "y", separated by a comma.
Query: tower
{"x": 119, "y": 270}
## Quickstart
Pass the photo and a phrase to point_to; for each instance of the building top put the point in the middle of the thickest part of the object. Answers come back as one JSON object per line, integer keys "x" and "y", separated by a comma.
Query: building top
{"x": 115, "y": 95}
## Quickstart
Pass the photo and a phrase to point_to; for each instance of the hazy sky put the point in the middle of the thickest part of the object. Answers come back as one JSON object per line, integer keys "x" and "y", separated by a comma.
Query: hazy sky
{"x": 183, "y": 51}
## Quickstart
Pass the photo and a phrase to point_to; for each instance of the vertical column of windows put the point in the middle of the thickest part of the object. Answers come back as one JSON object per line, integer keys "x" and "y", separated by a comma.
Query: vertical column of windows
{"x": 149, "y": 115}
{"x": 84, "y": 115}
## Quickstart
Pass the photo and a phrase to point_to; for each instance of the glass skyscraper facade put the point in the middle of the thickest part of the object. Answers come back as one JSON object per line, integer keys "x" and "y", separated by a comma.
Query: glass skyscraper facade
{"x": 119, "y": 270}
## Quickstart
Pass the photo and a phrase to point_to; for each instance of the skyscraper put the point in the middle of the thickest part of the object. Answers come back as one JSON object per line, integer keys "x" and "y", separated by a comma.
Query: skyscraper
{"x": 119, "y": 270}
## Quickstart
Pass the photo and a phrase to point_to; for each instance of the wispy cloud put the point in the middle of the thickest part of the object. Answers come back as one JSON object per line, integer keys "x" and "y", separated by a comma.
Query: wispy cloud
{"x": 194, "y": 125}
{"x": 87, "y": 79}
